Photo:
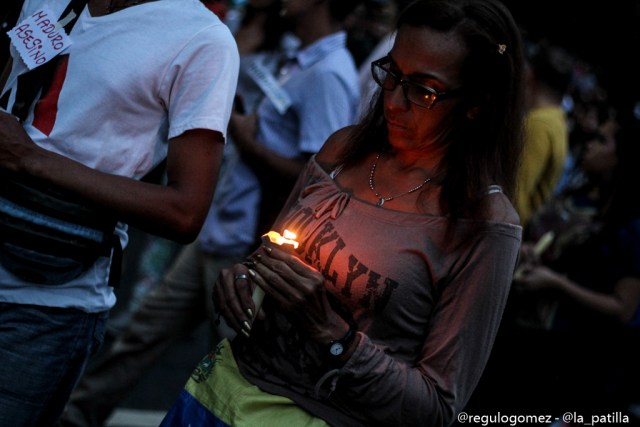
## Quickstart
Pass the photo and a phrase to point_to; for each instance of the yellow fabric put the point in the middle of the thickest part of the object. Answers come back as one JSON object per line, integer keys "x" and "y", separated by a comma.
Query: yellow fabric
{"x": 545, "y": 150}
{"x": 218, "y": 385}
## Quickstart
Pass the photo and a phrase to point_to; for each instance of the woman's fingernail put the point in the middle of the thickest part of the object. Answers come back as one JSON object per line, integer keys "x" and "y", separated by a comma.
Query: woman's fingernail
{"x": 258, "y": 257}
{"x": 252, "y": 273}
{"x": 247, "y": 326}
{"x": 267, "y": 248}
{"x": 250, "y": 312}
{"x": 245, "y": 333}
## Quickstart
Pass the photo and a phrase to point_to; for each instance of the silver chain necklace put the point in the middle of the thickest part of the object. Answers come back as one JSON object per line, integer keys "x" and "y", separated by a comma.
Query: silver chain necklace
{"x": 381, "y": 199}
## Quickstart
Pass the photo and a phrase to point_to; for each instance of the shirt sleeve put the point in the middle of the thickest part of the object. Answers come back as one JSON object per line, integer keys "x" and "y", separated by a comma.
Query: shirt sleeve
{"x": 456, "y": 349}
{"x": 327, "y": 105}
{"x": 200, "y": 85}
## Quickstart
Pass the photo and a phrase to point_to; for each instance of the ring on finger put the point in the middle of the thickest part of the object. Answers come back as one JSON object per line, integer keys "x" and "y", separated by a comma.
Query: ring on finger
{"x": 241, "y": 276}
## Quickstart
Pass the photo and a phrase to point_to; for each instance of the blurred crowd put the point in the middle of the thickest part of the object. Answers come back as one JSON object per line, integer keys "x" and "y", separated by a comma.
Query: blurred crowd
{"x": 559, "y": 348}
{"x": 569, "y": 339}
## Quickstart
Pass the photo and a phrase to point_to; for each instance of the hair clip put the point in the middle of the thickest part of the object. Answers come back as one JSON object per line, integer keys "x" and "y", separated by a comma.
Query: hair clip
{"x": 502, "y": 48}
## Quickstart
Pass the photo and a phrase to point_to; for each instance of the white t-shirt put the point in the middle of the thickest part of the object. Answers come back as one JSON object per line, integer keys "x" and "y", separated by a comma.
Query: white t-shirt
{"x": 134, "y": 79}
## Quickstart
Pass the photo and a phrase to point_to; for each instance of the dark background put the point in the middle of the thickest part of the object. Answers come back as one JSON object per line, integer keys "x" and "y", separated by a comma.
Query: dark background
{"x": 604, "y": 33}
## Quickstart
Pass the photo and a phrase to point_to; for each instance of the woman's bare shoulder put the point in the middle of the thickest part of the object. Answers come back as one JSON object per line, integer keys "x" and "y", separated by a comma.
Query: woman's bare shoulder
{"x": 334, "y": 146}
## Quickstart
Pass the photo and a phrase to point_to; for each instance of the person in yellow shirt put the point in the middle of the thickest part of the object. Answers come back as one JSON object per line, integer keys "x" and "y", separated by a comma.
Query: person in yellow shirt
{"x": 549, "y": 72}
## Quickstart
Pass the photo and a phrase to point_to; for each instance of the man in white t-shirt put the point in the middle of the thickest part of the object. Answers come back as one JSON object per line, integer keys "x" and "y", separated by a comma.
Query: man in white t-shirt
{"x": 139, "y": 83}
{"x": 292, "y": 120}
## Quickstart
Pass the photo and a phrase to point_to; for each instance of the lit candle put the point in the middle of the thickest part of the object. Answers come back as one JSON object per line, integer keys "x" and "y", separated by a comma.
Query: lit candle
{"x": 287, "y": 238}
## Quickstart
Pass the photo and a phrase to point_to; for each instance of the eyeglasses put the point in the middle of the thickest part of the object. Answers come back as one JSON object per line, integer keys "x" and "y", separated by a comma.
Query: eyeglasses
{"x": 422, "y": 96}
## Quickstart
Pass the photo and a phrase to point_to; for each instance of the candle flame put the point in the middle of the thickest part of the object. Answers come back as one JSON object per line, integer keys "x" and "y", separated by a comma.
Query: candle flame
{"x": 288, "y": 238}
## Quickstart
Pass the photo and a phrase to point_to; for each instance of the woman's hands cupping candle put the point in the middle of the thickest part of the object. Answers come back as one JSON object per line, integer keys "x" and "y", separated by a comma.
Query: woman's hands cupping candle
{"x": 286, "y": 240}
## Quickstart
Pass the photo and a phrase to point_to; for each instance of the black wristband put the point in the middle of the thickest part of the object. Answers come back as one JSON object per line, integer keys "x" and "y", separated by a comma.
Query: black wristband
{"x": 338, "y": 347}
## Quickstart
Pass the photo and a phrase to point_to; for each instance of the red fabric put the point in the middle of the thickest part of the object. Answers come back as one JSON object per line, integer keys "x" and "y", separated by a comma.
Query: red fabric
{"x": 218, "y": 7}
{"x": 47, "y": 107}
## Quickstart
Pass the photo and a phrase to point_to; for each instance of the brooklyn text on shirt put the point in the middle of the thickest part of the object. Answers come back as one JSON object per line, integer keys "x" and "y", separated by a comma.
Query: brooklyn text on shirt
{"x": 38, "y": 38}
{"x": 363, "y": 286}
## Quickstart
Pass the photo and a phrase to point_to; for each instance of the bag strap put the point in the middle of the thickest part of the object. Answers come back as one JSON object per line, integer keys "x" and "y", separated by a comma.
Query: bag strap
{"x": 39, "y": 78}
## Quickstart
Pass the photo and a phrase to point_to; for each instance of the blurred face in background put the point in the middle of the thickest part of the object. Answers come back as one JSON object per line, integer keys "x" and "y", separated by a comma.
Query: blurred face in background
{"x": 600, "y": 157}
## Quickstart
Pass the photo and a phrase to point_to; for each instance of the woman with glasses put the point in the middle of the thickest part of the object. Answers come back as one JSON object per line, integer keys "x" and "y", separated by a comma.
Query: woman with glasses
{"x": 386, "y": 311}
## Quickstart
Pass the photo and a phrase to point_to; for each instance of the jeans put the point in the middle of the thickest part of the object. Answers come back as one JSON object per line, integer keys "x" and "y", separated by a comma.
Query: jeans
{"x": 43, "y": 352}
{"x": 182, "y": 302}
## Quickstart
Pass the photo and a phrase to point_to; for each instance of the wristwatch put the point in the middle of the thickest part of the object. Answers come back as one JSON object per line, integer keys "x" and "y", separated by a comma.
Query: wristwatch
{"x": 338, "y": 347}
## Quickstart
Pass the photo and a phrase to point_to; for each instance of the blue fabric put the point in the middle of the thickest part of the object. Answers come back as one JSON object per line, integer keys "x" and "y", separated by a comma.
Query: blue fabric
{"x": 317, "y": 110}
{"x": 630, "y": 237}
{"x": 324, "y": 92}
{"x": 635, "y": 322}
{"x": 43, "y": 353}
{"x": 598, "y": 264}
{"x": 187, "y": 411}
{"x": 52, "y": 270}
